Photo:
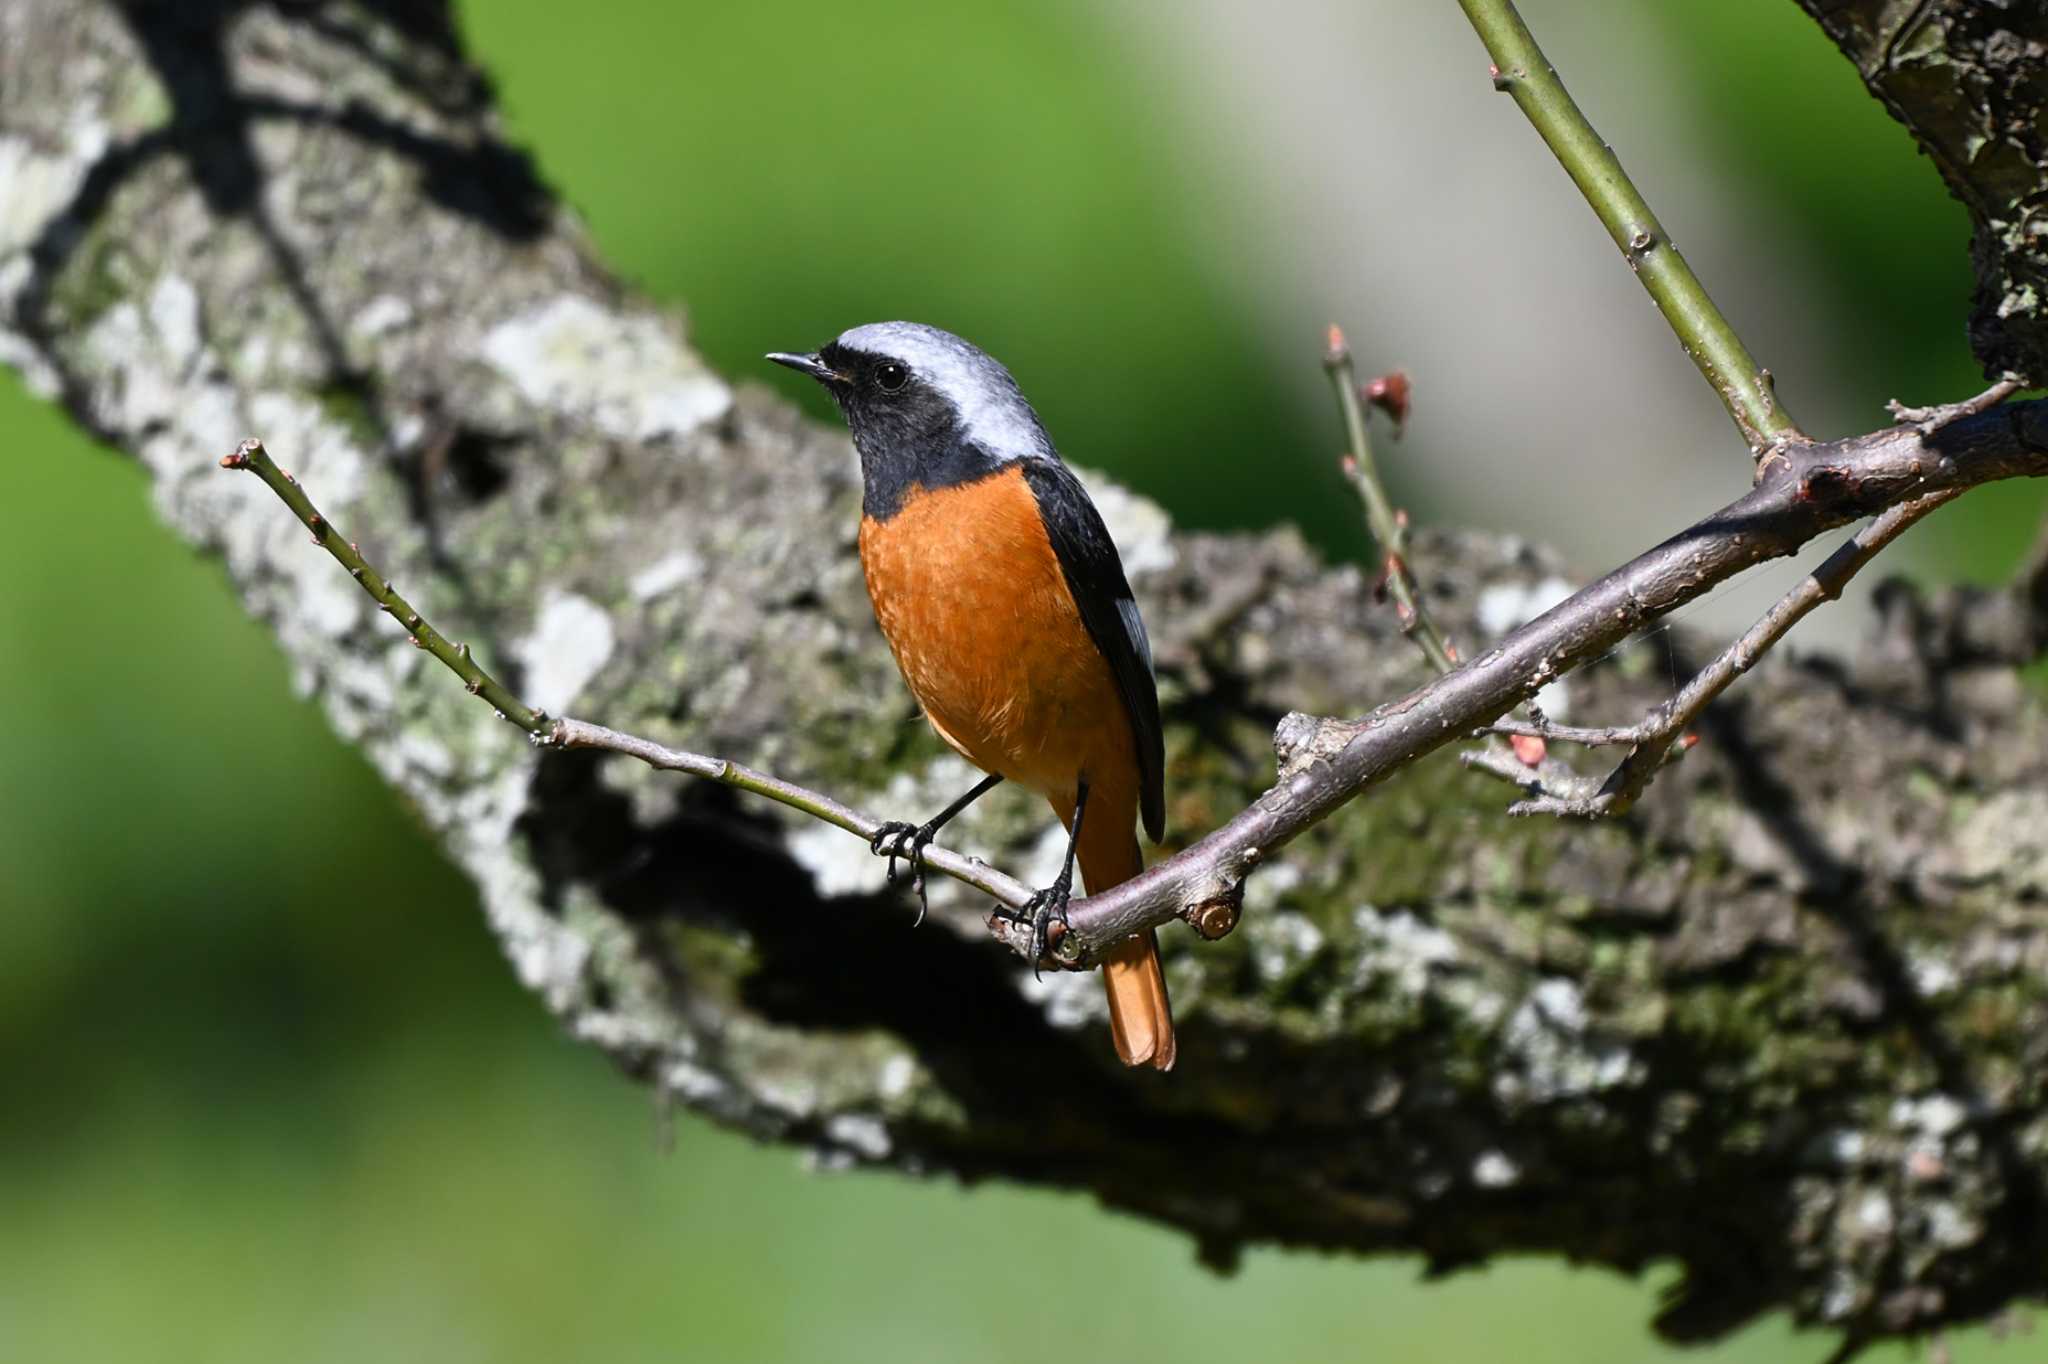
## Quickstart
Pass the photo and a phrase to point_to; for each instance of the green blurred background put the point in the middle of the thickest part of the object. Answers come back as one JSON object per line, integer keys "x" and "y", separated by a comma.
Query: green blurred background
{"x": 238, "y": 1127}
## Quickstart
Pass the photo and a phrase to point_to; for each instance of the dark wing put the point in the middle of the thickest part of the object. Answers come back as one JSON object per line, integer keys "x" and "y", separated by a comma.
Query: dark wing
{"x": 1096, "y": 578}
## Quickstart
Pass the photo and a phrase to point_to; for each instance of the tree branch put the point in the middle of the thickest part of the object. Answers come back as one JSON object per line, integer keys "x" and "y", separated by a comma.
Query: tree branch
{"x": 1931, "y": 419}
{"x": 1656, "y": 740}
{"x": 1203, "y": 885}
{"x": 1388, "y": 526}
{"x": 1520, "y": 68}
{"x": 1791, "y": 1010}
{"x": 547, "y": 732}
{"x": 1325, "y": 763}
{"x": 251, "y": 455}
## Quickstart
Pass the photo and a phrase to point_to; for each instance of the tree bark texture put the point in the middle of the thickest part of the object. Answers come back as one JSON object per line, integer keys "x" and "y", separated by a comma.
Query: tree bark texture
{"x": 1970, "y": 81}
{"x": 1784, "y": 1026}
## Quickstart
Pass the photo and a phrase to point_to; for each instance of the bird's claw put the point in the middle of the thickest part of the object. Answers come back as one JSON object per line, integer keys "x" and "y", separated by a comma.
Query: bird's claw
{"x": 908, "y": 841}
{"x": 1043, "y": 908}
{"x": 891, "y": 834}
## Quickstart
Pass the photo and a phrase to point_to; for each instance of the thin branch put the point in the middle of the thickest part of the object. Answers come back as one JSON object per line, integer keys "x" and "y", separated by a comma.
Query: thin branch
{"x": 547, "y": 732}
{"x": 1608, "y": 737}
{"x": 1662, "y": 736}
{"x": 1327, "y": 763}
{"x": 1810, "y": 490}
{"x": 1928, "y": 420}
{"x": 1548, "y": 778}
{"x": 1520, "y": 68}
{"x": 972, "y": 871}
{"x": 1389, "y": 527}
{"x": 251, "y": 455}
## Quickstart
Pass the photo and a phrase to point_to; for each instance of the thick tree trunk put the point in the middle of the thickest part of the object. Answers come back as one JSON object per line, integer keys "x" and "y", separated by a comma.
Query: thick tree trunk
{"x": 1784, "y": 1026}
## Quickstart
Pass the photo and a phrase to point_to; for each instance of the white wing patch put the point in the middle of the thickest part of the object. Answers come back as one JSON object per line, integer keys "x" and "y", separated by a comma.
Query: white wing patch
{"x": 1134, "y": 627}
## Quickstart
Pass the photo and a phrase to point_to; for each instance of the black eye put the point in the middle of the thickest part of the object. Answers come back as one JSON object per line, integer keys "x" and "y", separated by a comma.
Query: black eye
{"x": 890, "y": 376}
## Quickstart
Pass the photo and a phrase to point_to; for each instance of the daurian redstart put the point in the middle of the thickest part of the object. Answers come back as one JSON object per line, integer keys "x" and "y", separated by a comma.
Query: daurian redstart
{"x": 1006, "y": 605}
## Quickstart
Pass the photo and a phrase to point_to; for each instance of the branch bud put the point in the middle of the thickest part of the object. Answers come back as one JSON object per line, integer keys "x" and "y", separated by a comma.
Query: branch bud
{"x": 1390, "y": 393}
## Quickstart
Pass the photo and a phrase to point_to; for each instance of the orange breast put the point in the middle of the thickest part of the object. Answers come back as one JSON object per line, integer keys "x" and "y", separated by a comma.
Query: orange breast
{"x": 971, "y": 598}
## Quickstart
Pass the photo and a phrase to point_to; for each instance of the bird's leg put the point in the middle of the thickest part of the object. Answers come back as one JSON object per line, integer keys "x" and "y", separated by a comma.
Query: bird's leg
{"x": 896, "y": 839}
{"x": 1051, "y": 903}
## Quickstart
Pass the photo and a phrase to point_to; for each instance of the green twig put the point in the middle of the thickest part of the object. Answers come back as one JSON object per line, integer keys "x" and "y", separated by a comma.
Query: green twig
{"x": 1389, "y": 527}
{"x": 549, "y": 732}
{"x": 1520, "y": 68}
{"x": 1525, "y": 758}
{"x": 251, "y": 455}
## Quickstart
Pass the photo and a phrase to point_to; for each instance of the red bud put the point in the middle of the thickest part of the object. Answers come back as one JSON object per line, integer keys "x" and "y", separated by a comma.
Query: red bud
{"x": 1390, "y": 393}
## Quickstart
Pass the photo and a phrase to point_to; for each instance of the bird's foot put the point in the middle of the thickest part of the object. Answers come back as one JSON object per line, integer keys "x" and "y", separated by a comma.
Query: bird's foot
{"x": 1042, "y": 910}
{"x": 908, "y": 841}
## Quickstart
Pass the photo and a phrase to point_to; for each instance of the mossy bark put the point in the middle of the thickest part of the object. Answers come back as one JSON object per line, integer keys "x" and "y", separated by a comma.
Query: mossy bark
{"x": 1786, "y": 1026}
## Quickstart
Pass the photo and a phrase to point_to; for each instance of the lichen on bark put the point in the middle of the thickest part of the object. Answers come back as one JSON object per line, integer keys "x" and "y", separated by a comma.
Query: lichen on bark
{"x": 1783, "y": 1027}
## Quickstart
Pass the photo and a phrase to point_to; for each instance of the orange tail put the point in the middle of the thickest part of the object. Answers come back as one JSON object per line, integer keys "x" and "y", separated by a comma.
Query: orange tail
{"x": 1140, "y": 1018}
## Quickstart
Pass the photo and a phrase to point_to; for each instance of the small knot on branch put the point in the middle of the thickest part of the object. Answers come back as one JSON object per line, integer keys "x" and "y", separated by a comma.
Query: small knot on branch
{"x": 1213, "y": 918}
{"x": 1826, "y": 481}
{"x": 1301, "y": 740}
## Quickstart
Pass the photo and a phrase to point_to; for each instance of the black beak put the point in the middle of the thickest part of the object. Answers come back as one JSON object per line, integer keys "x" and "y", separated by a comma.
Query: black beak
{"x": 811, "y": 365}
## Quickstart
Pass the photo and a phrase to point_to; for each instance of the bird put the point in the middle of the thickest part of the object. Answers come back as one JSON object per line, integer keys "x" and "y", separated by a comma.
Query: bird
{"x": 1004, "y": 601}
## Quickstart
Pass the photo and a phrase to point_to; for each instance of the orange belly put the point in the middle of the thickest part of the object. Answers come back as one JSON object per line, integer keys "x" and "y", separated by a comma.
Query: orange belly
{"x": 971, "y": 598}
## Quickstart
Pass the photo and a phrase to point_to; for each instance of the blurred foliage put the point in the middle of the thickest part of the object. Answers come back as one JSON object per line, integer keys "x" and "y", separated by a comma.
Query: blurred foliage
{"x": 995, "y": 169}
{"x": 272, "y": 1091}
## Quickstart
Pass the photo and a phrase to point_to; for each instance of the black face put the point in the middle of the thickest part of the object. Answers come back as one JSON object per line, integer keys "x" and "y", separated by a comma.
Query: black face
{"x": 885, "y": 400}
{"x": 908, "y": 433}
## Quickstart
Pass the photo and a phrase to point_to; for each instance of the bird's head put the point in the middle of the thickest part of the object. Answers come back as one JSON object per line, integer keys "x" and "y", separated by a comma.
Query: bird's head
{"x": 924, "y": 406}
